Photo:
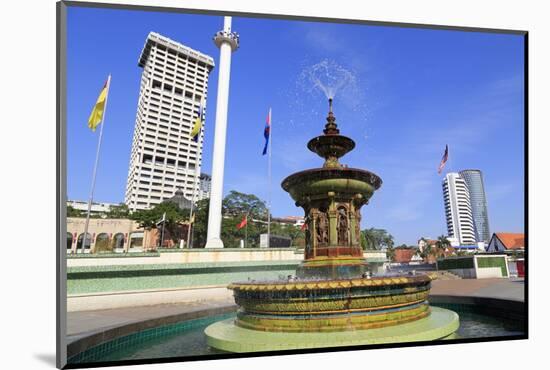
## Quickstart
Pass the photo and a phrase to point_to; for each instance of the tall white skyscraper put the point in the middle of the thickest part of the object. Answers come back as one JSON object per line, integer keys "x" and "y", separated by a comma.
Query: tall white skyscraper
{"x": 474, "y": 181}
{"x": 458, "y": 209}
{"x": 164, "y": 157}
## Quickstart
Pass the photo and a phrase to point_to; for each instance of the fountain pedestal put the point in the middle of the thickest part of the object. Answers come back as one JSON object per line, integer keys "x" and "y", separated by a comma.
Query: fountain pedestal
{"x": 332, "y": 197}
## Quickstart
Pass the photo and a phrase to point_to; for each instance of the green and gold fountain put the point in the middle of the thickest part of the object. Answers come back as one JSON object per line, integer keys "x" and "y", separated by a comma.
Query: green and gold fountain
{"x": 333, "y": 300}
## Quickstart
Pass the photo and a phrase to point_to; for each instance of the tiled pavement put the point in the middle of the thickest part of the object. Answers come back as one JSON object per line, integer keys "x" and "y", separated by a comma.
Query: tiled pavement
{"x": 512, "y": 289}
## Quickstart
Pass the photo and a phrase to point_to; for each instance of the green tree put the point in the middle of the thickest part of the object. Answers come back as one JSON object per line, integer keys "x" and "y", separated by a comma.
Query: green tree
{"x": 363, "y": 241}
{"x": 72, "y": 212}
{"x": 295, "y": 233}
{"x": 377, "y": 239}
{"x": 119, "y": 211}
{"x": 149, "y": 218}
{"x": 237, "y": 204}
{"x": 441, "y": 245}
{"x": 234, "y": 207}
{"x": 200, "y": 224}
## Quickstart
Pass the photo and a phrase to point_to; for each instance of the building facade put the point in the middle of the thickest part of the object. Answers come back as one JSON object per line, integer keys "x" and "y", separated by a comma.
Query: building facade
{"x": 205, "y": 184}
{"x": 116, "y": 235}
{"x": 164, "y": 157}
{"x": 458, "y": 209}
{"x": 478, "y": 201}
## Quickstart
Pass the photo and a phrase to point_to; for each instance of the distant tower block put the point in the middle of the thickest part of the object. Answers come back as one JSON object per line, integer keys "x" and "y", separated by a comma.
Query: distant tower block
{"x": 458, "y": 209}
{"x": 474, "y": 181}
{"x": 164, "y": 158}
{"x": 228, "y": 42}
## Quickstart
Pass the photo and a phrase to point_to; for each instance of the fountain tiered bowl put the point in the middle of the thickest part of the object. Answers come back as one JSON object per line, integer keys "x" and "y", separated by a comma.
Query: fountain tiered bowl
{"x": 333, "y": 300}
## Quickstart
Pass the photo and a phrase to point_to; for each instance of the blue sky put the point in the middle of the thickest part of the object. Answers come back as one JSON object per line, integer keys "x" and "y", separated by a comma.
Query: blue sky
{"x": 415, "y": 91}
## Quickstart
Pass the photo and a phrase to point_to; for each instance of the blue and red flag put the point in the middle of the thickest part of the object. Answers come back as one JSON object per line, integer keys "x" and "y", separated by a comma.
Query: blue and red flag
{"x": 444, "y": 159}
{"x": 267, "y": 131}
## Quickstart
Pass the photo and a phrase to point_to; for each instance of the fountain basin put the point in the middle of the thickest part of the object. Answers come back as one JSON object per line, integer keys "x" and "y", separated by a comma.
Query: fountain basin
{"x": 331, "y": 145}
{"x": 331, "y": 305}
{"x": 227, "y": 336}
{"x": 340, "y": 181}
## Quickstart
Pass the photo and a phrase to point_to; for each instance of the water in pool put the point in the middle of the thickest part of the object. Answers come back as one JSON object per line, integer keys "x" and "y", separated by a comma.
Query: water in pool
{"x": 181, "y": 340}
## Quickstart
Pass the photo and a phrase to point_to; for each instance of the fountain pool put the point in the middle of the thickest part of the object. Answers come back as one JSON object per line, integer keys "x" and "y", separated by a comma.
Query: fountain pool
{"x": 186, "y": 339}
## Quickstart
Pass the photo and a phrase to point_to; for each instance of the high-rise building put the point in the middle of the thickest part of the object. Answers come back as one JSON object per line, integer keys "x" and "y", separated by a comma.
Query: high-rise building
{"x": 458, "y": 210}
{"x": 478, "y": 201}
{"x": 205, "y": 184}
{"x": 164, "y": 157}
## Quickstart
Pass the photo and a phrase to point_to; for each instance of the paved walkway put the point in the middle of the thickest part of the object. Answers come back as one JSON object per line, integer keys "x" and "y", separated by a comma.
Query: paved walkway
{"x": 512, "y": 289}
{"x": 84, "y": 323}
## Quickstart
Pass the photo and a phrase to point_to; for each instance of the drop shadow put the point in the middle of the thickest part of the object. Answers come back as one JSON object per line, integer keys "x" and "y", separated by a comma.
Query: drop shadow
{"x": 47, "y": 358}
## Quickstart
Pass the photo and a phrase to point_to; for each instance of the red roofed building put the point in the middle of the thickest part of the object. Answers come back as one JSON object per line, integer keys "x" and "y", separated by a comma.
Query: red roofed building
{"x": 404, "y": 255}
{"x": 502, "y": 242}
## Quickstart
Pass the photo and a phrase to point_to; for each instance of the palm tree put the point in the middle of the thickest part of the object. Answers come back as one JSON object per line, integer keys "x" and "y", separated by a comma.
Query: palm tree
{"x": 377, "y": 238}
{"x": 370, "y": 238}
{"x": 442, "y": 244}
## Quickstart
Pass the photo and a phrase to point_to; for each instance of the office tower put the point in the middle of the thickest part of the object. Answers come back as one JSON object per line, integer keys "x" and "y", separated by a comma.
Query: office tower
{"x": 478, "y": 201}
{"x": 164, "y": 157}
{"x": 205, "y": 183}
{"x": 458, "y": 210}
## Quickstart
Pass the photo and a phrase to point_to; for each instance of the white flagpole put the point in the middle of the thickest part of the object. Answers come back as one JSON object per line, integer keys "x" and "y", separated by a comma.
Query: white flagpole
{"x": 269, "y": 181}
{"x": 162, "y": 234}
{"x": 90, "y": 200}
{"x": 192, "y": 206}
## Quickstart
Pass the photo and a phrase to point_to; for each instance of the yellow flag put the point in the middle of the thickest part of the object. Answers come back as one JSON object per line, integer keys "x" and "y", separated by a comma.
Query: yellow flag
{"x": 195, "y": 132}
{"x": 196, "y": 129}
{"x": 99, "y": 108}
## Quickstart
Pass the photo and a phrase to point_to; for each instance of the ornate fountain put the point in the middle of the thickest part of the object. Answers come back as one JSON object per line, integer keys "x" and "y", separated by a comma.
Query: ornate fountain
{"x": 332, "y": 197}
{"x": 333, "y": 291}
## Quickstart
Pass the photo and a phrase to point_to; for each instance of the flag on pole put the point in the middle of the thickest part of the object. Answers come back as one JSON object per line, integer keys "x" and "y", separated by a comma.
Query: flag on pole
{"x": 163, "y": 219}
{"x": 444, "y": 159}
{"x": 197, "y": 127}
{"x": 267, "y": 131}
{"x": 99, "y": 108}
{"x": 243, "y": 223}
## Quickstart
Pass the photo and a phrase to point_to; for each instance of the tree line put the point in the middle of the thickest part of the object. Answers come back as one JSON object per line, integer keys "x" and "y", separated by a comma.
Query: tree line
{"x": 235, "y": 206}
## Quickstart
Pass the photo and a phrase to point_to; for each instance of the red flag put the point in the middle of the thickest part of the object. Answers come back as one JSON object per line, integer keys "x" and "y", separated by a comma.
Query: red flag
{"x": 444, "y": 159}
{"x": 242, "y": 224}
{"x": 304, "y": 226}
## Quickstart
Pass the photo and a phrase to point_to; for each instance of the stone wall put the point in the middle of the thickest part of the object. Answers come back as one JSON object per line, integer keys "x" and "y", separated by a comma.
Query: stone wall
{"x": 100, "y": 279}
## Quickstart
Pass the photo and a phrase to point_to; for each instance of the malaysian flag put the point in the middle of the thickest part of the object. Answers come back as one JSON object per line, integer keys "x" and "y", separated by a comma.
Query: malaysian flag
{"x": 267, "y": 132}
{"x": 444, "y": 159}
